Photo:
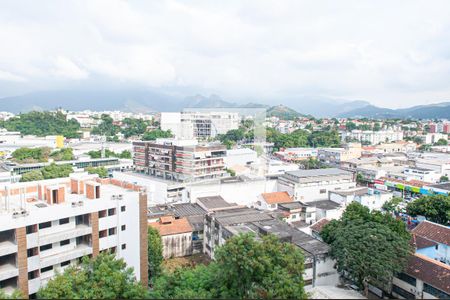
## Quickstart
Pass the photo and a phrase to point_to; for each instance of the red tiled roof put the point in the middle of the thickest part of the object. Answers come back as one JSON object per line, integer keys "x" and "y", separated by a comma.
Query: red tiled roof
{"x": 419, "y": 242}
{"x": 318, "y": 226}
{"x": 429, "y": 271}
{"x": 433, "y": 232}
{"x": 176, "y": 226}
{"x": 276, "y": 197}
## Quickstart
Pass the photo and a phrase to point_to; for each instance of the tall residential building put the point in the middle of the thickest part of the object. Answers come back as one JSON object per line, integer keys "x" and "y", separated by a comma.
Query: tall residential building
{"x": 48, "y": 225}
{"x": 201, "y": 125}
{"x": 372, "y": 137}
{"x": 180, "y": 161}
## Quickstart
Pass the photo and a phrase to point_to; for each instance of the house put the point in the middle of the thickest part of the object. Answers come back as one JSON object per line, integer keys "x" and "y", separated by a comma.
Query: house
{"x": 433, "y": 241}
{"x": 424, "y": 278}
{"x": 297, "y": 212}
{"x": 213, "y": 203}
{"x": 314, "y": 185}
{"x": 270, "y": 201}
{"x": 317, "y": 227}
{"x": 369, "y": 197}
{"x": 176, "y": 235}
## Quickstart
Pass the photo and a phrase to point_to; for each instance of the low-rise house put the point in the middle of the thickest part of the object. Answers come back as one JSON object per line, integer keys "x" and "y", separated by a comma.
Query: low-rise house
{"x": 270, "y": 201}
{"x": 176, "y": 235}
{"x": 369, "y": 197}
{"x": 213, "y": 203}
{"x": 297, "y": 212}
{"x": 433, "y": 240}
{"x": 317, "y": 227}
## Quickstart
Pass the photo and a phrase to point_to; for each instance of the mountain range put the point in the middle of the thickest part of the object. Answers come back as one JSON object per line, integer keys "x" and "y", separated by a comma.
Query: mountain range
{"x": 145, "y": 101}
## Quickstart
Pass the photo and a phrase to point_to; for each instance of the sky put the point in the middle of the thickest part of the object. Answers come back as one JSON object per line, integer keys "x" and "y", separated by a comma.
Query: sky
{"x": 390, "y": 53}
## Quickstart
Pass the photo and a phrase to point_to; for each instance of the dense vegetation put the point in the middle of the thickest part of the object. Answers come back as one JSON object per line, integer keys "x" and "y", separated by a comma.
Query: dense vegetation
{"x": 369, "y": 247}
{"x": 48, "y": 172}
{"x": 42, "y": 124}
{"x": 41, "y": 154}
{"x": 155, "y": 254}
{"x": 156, "y": 134}
{"x": 109, "y": 153}
{"x": 244, "y": 268}
{"x": 102, "y": 172}
{"x": 103, "y": 277}
{"x": 130, "y": 127}
{"x": 303, "y": 138}
{"x": 436, "y": 208}
{"x": 106, "y": 127}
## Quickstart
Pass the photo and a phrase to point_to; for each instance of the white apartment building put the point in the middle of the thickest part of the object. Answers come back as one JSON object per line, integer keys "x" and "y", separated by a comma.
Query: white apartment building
{"x": 203, "y": 125}
{"x": 372, "y": 137}
{"x": 369, "y": 197}
{"x": 431, "y": 138}
{"x": 422, "y": 174}
{"x": 48, "y": 225}
{"x": 313, "y": 185}
{"x": 334, "y": 156}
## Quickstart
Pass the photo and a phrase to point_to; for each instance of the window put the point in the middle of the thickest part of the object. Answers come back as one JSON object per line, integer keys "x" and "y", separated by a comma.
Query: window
{"x": 65, "y": 263}
{"x": 33, "y": 274}
{"x": 123, "y": 227}
{"x": 31, "y": 229}
{"x": 323, "y": 191}
{"x": 308, "y": 282}
{"x": 124, "y": 246}
{"x": 103, "y": 233}
{"x": 63, "y": 221}
{"x": 32, "y": 252}
{"x": 102, "y": 214}
{"x": 112, "y": 231}
{"x": 46, "y": 269}
{"x": 65, "y": 242}
{"x": 45, "y": 225}
{"x": 406, "y": 278}
{"x": 45, "y": 247}
{"x": 123, "y": 208}
{"x": 308, "y": 266}
{"x": 294, "y": 216}
{"x": 435, "y": 292}
{"x": 111, "y": 212}
{"x": 112, "y": 250}
{"x": 402, "y": 292}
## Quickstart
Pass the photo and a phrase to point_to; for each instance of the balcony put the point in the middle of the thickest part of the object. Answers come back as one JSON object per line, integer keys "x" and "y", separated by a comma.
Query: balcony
{"x": 81, "y": 250}
{"x": 8, "y": 270}
{"x": 7, "y": 247}
{"x": 79, "y": 230}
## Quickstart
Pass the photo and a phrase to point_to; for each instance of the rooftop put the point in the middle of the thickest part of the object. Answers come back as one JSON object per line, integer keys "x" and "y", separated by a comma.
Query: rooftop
{"x": 442, "y": 186}
{"x": 433, "y": 232}
{"x": 318, "y": 172}
{"x": 318, "y": 226}
{"x": 429, "y": 271}
{"x": 212, "y": 203}
{"x": 324, "y": 204}
{"x": 240, "y": 215}
{"x": 170, "y": 226}
{"x": 276, "y": 197}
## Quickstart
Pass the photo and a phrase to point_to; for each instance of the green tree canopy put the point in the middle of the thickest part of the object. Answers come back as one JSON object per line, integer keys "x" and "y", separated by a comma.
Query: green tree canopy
{"x": 369, "y": 247}
{"x": 244, "y": 268}
{"x": 16, "y": 294}
{"x": 56, "y": 171}
{"x": 109, "y": 153}
{"x": 103, "y": 277}
{"x": 32, "y": 176}
{"x": 106, "y": 127}
{"x": 441, "y": 142}
{"x": 134, "y": 127}
{"x": 63, "y": 154}
{"x": 155, "y": 134}
{"x": 392, "y": 204}
{"x": 31, "y": 155}
{"x": 436, "y": 208}
{"x": 102, "y": 172}
{"x": 43, "y": 124}
{"x": 155, "y": 254}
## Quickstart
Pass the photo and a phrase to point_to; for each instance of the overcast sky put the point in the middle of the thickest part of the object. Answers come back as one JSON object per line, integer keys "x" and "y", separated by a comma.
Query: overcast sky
{"x": 391, "y": 53}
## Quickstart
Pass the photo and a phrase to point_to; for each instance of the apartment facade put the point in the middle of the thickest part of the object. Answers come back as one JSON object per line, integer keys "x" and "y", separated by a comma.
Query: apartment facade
{"x": 50, "y": 224}
{"x": 167, "y": 159}
{"x": 199, "y": 125}
{"x": 313, "y": 185}
{"x": 372, "y": 137}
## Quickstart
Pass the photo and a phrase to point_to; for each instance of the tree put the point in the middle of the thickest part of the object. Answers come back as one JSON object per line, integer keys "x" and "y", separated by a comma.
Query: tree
{"x": 56, "y": 171}
{"x": 443, "y": 179}
{"x": 43, "y": 124}
{"x": 106, "y": 127}
{"x": 435, "y": 208}
{"x": 155, "y": 134}
{"x": 125, "y": 154}
{"x": 244, "y": 268}
{"x": 441, "y": 142}
{"x": 350, "y": 126}
{"x": 102, "y": 172}
{"x": 324, "y": 139}
{"x": 155, "y": 254}
{"x": 103, "y": 277}
{"x": 369, "y": 247}
{"x": 31, "y": 155}
{"x": 391, "y": 205}
{"x": 360, "y": 178}
{"x": 16, "y": 294}
{"x": 134, "y": 127}
{"x": 63, "y": 154}
{"x": 32, "y": 176}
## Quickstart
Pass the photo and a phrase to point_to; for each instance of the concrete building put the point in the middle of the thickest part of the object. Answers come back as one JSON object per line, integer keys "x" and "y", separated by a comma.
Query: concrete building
{"x": 270, "y": 201}
{"x": 422, "y": 174}
{"x": 432, "y": 240}
{"x": 312, "y": 185}
{"x": 334, "y": 156}
{"x": 240, "y": 157}
{"x": 199, "y": 125}
{"x": 221, "y": 225}
{"x": 372, "y": 137}
{"x": 431, "y": 138}
{"x": 175, "y": 160}
{"x": 296, "y": 154}
{"x": 50, "y": 224}
{"x": 369, "y": 197}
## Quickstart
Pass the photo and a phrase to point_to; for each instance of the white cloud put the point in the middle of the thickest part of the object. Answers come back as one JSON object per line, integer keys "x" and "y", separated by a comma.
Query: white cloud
{"x": 381, "y": 51}
{"x": 7, "y": 76}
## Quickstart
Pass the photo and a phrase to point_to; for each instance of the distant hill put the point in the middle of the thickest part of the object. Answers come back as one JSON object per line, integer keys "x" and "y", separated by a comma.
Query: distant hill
{"x": 283, "y": 112}
{"x": 431, "y": 111}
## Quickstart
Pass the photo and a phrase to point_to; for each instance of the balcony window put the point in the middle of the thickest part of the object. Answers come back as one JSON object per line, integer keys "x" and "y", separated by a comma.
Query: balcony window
{"x": 123, "y": 227}
{"x": 45, "y": 247}
{"x": 63, "y": 221}
{"x": 124, "y": 246}
{"x": 111, "y": 212}
{"x": 46, "y": 269}
{"x": 103, "y": 233}
{"x": 112, "y": 231}
{"x": 32, "y": 252}
{"x": 31, "y": 229}
{"x": 45, "y": 225}
{"x": 65, "y": 242}
{"x": 123, "y": 208}
{"x": 65, "y": 263}
{"x": 102, "y": 214}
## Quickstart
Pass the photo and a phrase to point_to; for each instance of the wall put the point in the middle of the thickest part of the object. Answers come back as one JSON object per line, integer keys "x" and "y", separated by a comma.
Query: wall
{"x": 177, "y": 245}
